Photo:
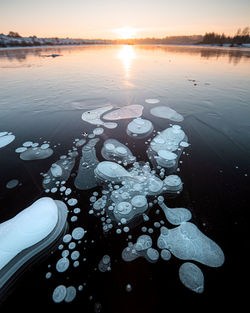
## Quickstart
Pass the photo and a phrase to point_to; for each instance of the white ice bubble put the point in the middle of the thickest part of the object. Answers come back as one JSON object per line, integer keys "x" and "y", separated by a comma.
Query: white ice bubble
{"x": 187, "y": 242}
{"x": 70, "y": 294}
{"x": 192, "y": 277}
{"x": 93, "y": 116}
{"x": 36, "y": 153}
{"x": 98, "y": 131}
{"x": 184, "y": 144}
{"x": 114, "y": 150}
{"x": 21, "y": 149}
{"x": 62, "y": 264}
{"x": 167, "y": 113}
{"x": 44, "y": 146}
{"x": 87, "y": 165}
{"x": 152, "y": 255}
{"x": 128, "y": 288}
{"x": 152, "y": 101}
{"x": 67, "y": 238}
{"x": 12, "y": 183}
{"x": 27, "y": 144}
{"x": 104, "y": 264}
{"x": 78, "y": 233}
{"x": 165, "y": 254}
{"x": 72, "y": 201}
{"x": 139, "y": 127}
{"x": 27, "y": 228}
{"x": 6, "y": 139}
{"x": 75, "y": 255}
{"x": 59, "y": 293}
{"x": 143, "y": 242}
{"x": 176, "y": 216}
{"x": 128, "y": 111}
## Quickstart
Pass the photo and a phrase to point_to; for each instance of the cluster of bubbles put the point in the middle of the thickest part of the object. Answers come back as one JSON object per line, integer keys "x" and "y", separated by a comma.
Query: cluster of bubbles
{"x": 129, "y": 190}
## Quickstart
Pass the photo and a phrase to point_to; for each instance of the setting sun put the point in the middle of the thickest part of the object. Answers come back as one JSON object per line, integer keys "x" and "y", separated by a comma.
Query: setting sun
{"x": 126, "y": 32}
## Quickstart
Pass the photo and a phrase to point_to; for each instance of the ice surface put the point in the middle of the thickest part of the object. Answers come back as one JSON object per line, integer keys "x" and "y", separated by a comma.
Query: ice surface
{"x": 139, "y": 128}
{"x": 59, "y": 293}
{"x": 128, "y": 111}
{"x": 93, "y": 116}
{"x": 85, "y": 178}
{"x": 167, "y": 113}
{"x": 187, "y": 242}
{"x": 27, "y": 228}
{"x": 5, "y": 139}
{"x": 113, "y": 150}
{"x": 36, "y": 153}
{"x": 192, "y": 277}
{"x": 176, "y": 216}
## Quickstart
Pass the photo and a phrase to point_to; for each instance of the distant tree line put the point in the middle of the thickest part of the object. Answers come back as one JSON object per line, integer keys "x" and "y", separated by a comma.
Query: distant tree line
{"x": 241, "y": 37}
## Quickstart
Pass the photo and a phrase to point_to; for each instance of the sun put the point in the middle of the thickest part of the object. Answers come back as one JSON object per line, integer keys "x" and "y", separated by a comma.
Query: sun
{"x": 126, "y": 32}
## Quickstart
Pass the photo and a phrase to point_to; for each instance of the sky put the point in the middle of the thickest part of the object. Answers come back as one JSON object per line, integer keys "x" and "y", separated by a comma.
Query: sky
{"x": 101, "y": 18}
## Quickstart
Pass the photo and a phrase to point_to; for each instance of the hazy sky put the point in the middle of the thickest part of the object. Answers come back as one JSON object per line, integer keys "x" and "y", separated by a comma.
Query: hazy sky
{"x": 100, "y": 18}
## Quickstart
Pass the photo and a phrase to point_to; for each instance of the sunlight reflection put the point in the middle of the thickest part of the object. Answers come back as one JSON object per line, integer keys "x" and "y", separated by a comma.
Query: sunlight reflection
{"x": 127, "y": 55}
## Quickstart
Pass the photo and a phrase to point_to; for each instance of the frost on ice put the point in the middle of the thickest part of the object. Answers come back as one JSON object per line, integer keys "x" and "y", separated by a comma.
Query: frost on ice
{"x": 128, "y": 111}
{"x": 167, "y": 113}
{"x": 6, "y": 138}
{"x": 192, "y": 277}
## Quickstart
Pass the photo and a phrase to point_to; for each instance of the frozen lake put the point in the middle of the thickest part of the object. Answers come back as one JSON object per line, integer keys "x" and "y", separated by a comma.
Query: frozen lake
{"x": 45, "y": 97}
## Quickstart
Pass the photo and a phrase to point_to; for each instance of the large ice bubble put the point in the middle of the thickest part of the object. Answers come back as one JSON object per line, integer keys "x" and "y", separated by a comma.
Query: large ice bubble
{"x": 187, "y": 242}
{"x": 167, "y": 113}
{"x": 60, "y": 170}
{"x": 176, "y": 216}
{"x": 165, "y": 148}
{"x": 85, "y": 178}
{"x": 139, "y": 128}
{"x": 113, "y": 150}
{"x": 192, "y": 277}
{"x": 36, "y": 153}
{"x": 6, "y": 138}
{"x": 27, "y": 228}
{"x": 128, "y": 111}
{"x": 94, "y": 116}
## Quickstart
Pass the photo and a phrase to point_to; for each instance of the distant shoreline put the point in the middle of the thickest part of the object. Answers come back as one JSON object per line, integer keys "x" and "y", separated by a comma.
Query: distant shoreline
{"x": 227, "y": 47}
